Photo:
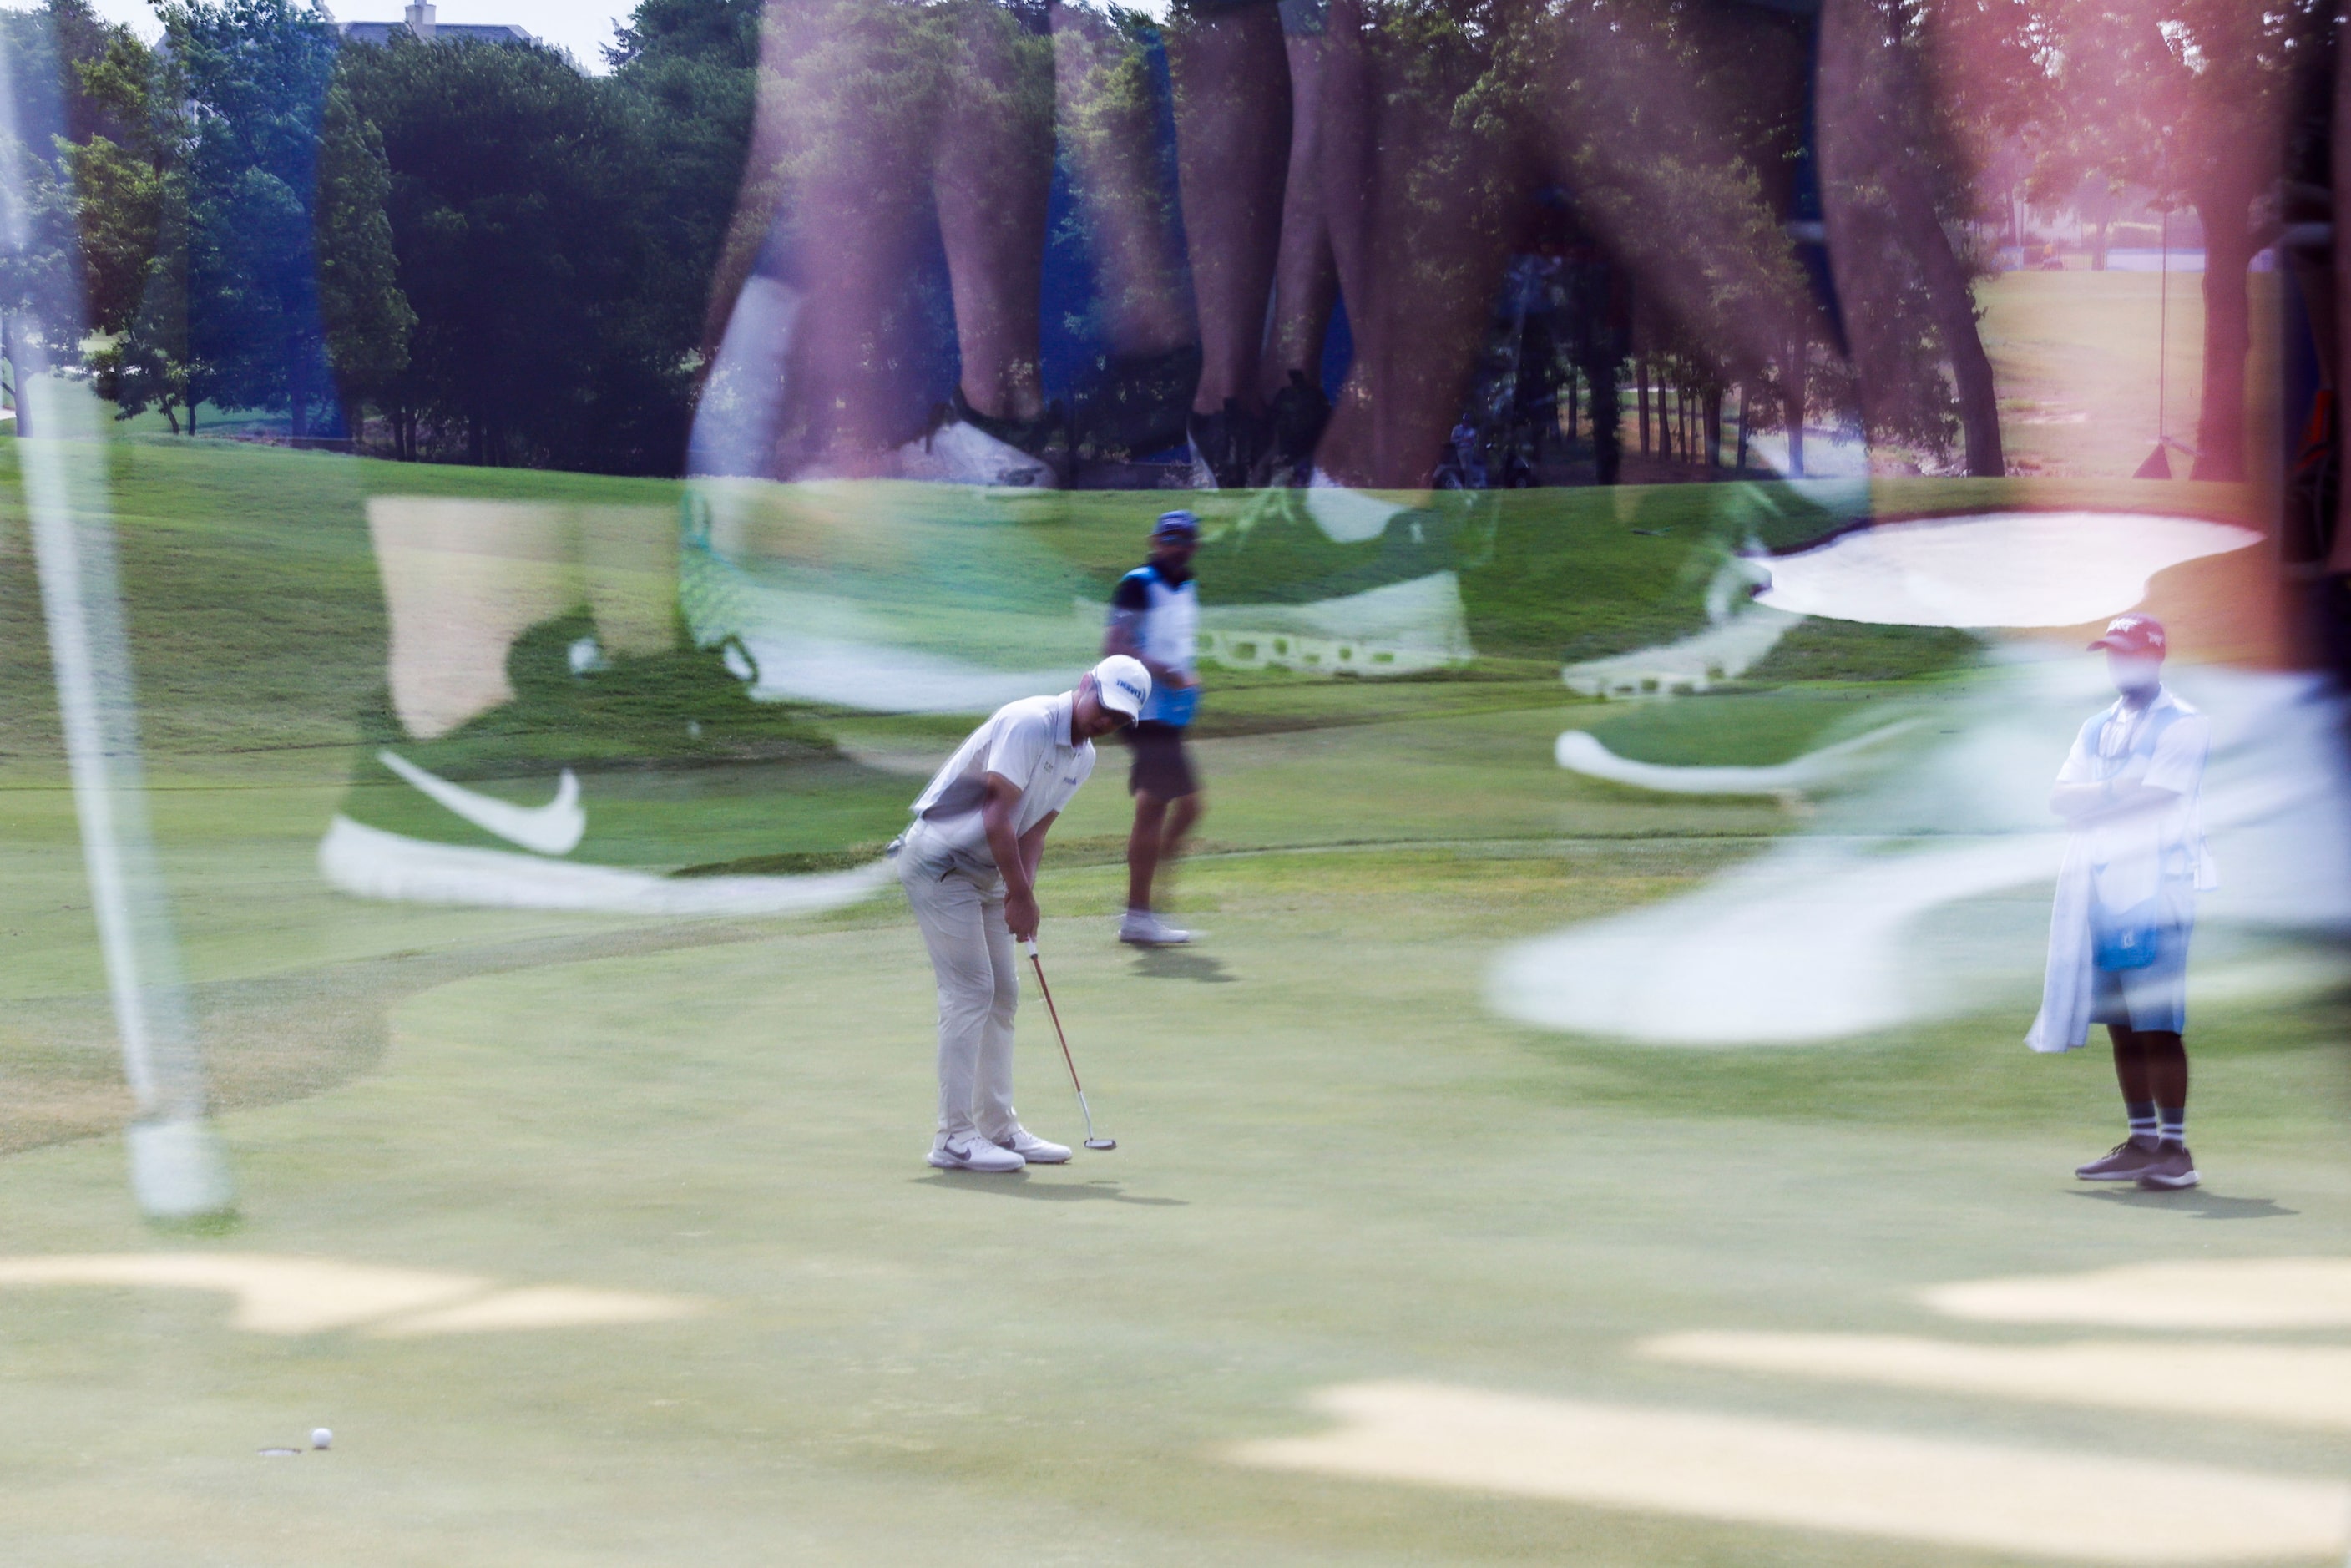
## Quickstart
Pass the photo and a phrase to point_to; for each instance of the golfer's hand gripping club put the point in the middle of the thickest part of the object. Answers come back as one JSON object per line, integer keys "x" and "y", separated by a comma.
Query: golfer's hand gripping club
{"x": 1059, "y": 1033}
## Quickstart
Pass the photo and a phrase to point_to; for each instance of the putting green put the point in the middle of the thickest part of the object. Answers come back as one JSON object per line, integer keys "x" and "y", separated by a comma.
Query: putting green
{"x": 605, "y": 1242}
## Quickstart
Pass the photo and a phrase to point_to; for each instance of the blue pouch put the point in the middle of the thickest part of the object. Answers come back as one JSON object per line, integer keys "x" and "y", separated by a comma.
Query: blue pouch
{"x": 1176, "y": 705}
{"x": 2122, "y": 938}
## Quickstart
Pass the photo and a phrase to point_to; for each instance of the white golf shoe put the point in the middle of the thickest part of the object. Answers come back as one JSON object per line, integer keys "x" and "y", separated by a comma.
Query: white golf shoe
{"x": 1142, "y": 928}
{"x": 1032, "y": 1148}
{"x": 971, "y": 1152}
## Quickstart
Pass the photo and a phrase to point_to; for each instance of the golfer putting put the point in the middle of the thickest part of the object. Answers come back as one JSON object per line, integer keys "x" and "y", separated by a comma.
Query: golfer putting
{"x": 969, "y": 867}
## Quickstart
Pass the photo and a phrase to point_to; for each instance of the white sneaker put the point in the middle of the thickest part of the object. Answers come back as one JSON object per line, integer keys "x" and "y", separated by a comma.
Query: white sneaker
{"x": 973, "y": 1153}
{"x": 1142, "y": 928}
{"x": 959, "y": 452}
{"x": 1032, "y": 1148}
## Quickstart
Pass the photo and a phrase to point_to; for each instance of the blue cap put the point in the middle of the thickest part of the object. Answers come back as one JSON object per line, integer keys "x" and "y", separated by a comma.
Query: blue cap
{"x": 1177, "y": 525}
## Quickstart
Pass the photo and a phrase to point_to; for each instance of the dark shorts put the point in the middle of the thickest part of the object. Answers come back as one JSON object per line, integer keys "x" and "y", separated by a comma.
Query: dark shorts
{"x": 1163, "y": 768}
{"x": 2153, "y": 997}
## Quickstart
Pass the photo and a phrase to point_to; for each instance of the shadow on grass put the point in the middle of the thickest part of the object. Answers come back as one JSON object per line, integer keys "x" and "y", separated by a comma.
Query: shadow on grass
{"x": 1177, "y": 964}
{"x": 1020, "y": 1183}
{"x": 2196, "y": 1201}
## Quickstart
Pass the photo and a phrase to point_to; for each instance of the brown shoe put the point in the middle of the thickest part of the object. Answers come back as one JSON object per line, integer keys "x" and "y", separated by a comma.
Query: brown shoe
{"x": 2124, "y": 1161}
{"x": 2172, "y": 1168}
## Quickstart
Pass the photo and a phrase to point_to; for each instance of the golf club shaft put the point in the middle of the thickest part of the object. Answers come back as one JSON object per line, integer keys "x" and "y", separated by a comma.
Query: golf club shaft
{"x": 1062, "y": 1035}
{"x": 1055, "y": 1014}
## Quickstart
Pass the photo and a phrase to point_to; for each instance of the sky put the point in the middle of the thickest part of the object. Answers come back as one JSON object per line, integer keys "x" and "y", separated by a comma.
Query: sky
{"x": 582, "y": 26}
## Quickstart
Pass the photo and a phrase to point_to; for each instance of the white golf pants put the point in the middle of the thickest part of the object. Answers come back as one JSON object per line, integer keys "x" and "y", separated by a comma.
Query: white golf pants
{"x": 979, "y": 990}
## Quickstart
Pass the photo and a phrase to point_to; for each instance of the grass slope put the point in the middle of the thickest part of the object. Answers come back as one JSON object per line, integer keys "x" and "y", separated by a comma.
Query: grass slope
{"x": 1335, "y": 1163}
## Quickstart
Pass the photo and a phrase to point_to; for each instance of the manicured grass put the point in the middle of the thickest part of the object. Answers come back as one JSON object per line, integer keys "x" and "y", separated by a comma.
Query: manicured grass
{"x": 2076, "y": 353}
{"x": 1336, "y": 1164}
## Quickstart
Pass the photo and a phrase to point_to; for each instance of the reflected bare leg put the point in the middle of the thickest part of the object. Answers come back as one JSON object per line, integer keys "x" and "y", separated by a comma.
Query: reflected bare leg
{"x": 1415, "y": 205}
{"x": 1107, "y": 112}
{"x": 836, "y": 191}
{"x": 1306, "y": 277}
{"x": 994, "y": 174}
{"x": 1231, "y": 79}
{"x": 462, "y": 580}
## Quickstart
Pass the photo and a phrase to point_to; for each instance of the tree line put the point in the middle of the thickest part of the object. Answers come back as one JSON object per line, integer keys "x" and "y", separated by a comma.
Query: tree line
{"x": 478, "y": 253}
{"x": 498, "y": 258}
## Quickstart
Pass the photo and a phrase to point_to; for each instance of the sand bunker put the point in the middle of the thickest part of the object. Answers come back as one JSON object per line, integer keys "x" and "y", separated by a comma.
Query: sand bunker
{"x": 2296, "y": 1386}
{"x": 1756, "y": 1471}
{"x": 309, "y": 1295}
{"x": 2223, "y": 1293}
{"x": 1994, "y": 569}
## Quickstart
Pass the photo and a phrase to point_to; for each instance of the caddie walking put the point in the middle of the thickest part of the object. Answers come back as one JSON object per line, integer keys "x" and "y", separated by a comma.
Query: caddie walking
{"x": 2126, "y": 902}
{"x": 1155, "y": 617}
{"x": 969, "y": 867}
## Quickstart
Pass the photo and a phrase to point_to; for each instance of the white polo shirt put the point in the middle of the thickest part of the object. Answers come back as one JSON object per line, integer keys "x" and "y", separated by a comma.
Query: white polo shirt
{"x": 2150, "y": 854}
{"x": 1029, "y": 742}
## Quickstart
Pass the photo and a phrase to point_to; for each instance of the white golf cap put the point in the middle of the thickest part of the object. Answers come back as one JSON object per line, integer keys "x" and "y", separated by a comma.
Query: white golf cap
{"x": 1123, "y": 683}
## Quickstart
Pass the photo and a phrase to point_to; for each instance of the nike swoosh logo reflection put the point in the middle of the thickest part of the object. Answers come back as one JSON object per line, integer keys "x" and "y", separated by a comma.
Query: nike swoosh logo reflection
{"x": 554, "y": 828}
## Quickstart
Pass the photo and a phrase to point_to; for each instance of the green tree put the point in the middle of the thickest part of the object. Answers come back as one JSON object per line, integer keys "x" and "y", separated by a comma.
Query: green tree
{"x": 687, "y": 73}
{"x": 255, "y": 72}
{"x": 366, "y": 317}
{"x": 2190, "y": 99}
{"x": 521, "y": 229}
{"x": 1895, "y": 181}
{"x": 41, "y": 308}
{"x": 131, "y": 194}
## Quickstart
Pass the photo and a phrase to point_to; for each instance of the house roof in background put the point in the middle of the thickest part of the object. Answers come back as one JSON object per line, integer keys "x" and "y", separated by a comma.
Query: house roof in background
{"x": 444, "y": 32}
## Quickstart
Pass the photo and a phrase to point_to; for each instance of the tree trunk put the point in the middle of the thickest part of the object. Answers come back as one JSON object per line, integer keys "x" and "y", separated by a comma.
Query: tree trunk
{"x": 2098, "y": 247}
{"x": 1641, "y": 395}
{"x": 298, "y": 393}
{"x": 1712, "y": 412}
{"x": 1876, "y": 198}
{"x": 1738, "y": 455}
{"x": 10, "y": 335}
{"x": 1953, "y": 304}
{"x": 1798, "y": 351}
{"x": 2224, "y": 208}
{"x": 1607, "y": 422}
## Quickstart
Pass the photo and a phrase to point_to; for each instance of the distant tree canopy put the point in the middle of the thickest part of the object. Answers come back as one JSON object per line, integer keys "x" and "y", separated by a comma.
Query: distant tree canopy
{"x": 501, "y": 258}
{"x": 41, "y": 289}
{"x": 497, "y": 258}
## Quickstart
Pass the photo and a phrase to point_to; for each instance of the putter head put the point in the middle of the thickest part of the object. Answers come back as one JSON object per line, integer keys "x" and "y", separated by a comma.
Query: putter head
{"x": 1102, "y": 1142}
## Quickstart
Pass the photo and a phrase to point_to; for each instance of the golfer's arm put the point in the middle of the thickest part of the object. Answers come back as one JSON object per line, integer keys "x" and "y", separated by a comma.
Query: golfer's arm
{"x": 1032, "y": 846}
{"x": 1005, "y": 846}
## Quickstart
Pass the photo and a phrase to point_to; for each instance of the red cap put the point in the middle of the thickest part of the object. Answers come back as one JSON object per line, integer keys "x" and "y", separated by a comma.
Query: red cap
{"x": 2133, "y": 634}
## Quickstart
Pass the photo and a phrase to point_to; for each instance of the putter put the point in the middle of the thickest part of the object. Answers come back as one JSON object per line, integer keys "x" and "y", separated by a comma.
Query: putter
{"x": 1059, "y": 1033}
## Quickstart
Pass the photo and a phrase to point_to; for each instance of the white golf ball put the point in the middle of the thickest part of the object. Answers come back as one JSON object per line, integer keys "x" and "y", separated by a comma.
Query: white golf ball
{"x": 320, "y": 1438}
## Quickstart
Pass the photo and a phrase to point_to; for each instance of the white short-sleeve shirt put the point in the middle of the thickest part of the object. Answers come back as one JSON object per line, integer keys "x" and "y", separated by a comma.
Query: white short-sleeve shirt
{"x": 1029, "y": 742}
{"x": 2163, "y": 849}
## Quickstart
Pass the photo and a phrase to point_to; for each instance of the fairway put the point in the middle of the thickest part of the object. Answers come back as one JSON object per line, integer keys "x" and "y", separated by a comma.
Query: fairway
{"x": 602, "y": 1241}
